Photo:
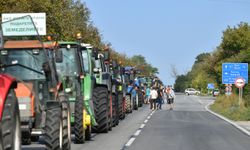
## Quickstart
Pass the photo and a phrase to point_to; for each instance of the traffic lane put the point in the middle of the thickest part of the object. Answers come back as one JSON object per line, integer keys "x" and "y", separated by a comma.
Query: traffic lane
{"x": 115, "y": 139}
{"x": 183, "y": 102}
{"x": 189, "y": 130}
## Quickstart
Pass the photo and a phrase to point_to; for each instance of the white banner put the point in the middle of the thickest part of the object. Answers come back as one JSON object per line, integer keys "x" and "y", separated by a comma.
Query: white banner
{"x": 39, "y": 20}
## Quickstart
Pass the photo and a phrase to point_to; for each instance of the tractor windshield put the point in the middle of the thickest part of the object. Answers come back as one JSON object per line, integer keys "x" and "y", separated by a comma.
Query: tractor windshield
{"x": 69, "y": 65}
{"x": 25, "y": 64}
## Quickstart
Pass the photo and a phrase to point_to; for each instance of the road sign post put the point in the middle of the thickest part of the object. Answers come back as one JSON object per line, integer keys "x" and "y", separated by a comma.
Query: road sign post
{"x": 239, "y": 83}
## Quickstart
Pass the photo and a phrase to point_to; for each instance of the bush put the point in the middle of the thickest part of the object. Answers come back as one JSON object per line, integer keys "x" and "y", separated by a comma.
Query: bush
{"x": 229, "y": 107}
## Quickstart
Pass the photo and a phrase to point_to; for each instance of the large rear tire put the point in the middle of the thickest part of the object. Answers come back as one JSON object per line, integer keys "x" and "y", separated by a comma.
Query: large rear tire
{"x": 115, "y": 110}
{"x": 120, "y": 107}
{"x": 66, "y": 132}
{"x": 129, "y": 104}
{"x": 135, "y": 102}
{"x": 11, "y": 131}
{"x": 140, "y": 98}
{"x": 52, "y": 137}
{"x": 79, "y": 121}
{"x": 88, "y": 133}
{"x": 101, "y": 109}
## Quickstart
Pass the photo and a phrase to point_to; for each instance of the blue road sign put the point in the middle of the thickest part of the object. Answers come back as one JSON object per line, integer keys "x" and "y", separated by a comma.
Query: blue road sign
{"x": 210, "y": 86}
{"x": 232, "y": 71}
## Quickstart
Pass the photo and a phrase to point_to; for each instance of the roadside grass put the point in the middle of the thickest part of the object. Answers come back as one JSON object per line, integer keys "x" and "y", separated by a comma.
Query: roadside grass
{"x": 229, "y": 107}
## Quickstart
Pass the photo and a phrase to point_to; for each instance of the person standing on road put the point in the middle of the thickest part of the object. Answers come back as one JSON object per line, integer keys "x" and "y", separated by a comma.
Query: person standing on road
{"x": 159, "y": 98}
{"x": 147, "y": 95}
{"x": 170, "y": 97}
{"x": 153, "y": 97}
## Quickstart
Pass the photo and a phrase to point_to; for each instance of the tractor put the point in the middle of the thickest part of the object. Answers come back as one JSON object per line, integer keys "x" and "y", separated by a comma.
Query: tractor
{"x": 43, "y": 105}
{"x": 71, "y": 72}
{"x": 9, "y": 114}
{"x": 119, "y": 88}
{"x": 98, "y": 86}
{"x": 131, "y": 102}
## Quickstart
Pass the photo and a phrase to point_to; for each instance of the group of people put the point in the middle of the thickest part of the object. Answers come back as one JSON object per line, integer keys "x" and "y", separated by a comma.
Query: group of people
{"x": 156, "y": 96}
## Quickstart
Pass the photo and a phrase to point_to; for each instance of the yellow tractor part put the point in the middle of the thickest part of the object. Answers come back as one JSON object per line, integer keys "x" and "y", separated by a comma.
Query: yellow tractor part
{"x": 86, "y": 119}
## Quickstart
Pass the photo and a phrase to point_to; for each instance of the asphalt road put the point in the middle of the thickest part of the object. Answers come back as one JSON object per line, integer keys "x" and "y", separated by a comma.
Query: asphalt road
{"x": 113, "y": 140}
{"x": 187, "y": 127}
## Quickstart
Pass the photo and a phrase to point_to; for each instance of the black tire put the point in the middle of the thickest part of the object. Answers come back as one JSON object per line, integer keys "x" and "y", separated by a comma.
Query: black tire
{"x": 52, "y": 128}
{"x": 135, "y": 102}
{"x": 110, "y": 109}
{"x": 78, "y": 124}
{"x": 101, "y": 109}
{"x": 66, "y": 128}
{"x": 115, "y": 110}
{"x": 88, "y": 133}
{"x": 129, "y": 104}
{"x": 120, "y": 107}
{"x": 11, "y": 131}
{"x": 141, "y": 99}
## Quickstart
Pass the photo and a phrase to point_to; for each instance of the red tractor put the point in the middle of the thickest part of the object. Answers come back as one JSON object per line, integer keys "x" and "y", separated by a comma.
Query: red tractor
{"x": 10, "y": 133}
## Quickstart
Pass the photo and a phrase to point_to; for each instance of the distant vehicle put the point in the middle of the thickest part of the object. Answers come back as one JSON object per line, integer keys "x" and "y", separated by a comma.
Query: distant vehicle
{"x": 192, "y": 91}
{"x": 215, "y": 92}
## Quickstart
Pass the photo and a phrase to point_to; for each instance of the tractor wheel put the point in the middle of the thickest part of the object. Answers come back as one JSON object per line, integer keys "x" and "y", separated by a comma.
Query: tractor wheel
{"x": 11, "y": 123}
{"x": 136, "y": 102}
{"x": 53, "y": 129}
{"x": 101, "y": 109}
{"x": 79, "y": 121}
{"x": 66, "y": 127}
{"x": 120, "y": 107}
{"x": 115, "y": 114}
{"x": 110, "y": 109}
{"x": 129, "y": 104}
{"x": 88, "y": 133}
{"x": 140, "y": 97}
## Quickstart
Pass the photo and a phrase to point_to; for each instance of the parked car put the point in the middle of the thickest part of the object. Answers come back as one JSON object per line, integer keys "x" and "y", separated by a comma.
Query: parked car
{"x": 192, "y": 91}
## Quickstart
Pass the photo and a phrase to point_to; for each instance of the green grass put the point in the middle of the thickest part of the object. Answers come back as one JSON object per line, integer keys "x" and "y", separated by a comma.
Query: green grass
{"x": 229, "y": 107}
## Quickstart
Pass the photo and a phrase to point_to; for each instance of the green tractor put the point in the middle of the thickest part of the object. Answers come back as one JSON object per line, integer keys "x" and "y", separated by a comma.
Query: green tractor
{"x": 98, "y": 86}
{"x": 119, "y": 89}
{"x": 71, "y": 71}
{"x": 44, "y": 108}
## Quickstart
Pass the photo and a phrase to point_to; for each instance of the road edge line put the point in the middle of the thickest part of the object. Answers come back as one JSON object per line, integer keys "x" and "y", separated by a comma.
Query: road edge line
{"x": 226, "y": 119}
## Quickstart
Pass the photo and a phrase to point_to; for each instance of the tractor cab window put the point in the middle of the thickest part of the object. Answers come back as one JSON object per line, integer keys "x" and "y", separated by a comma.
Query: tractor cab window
{"x": 24, "y": 64}
{"x": 85, "y": 61}
{"x": 68, "y": 67}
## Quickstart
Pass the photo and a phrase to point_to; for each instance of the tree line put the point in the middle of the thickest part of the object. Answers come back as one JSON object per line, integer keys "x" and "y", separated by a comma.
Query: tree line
{"x": 207, "y": 68}
{"x": 65, "y": 18}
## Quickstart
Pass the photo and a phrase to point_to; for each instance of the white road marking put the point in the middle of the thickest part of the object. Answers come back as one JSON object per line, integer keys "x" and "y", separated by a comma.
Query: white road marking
{"x": 142, "y": 126}
{"x": 131, "y": 140}
{"x": 137, "y": 132}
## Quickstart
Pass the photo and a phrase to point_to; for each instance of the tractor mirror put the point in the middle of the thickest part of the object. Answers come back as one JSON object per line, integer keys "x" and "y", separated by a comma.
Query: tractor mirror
{"x": 59, "y": 56}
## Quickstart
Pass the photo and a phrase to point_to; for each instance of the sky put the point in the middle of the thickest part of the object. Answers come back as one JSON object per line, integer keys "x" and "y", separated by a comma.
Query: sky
{"x": 166, "y": 32}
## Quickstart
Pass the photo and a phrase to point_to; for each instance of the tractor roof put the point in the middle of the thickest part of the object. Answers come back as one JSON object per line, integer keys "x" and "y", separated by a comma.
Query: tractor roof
{"x": 25, "y": 44}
